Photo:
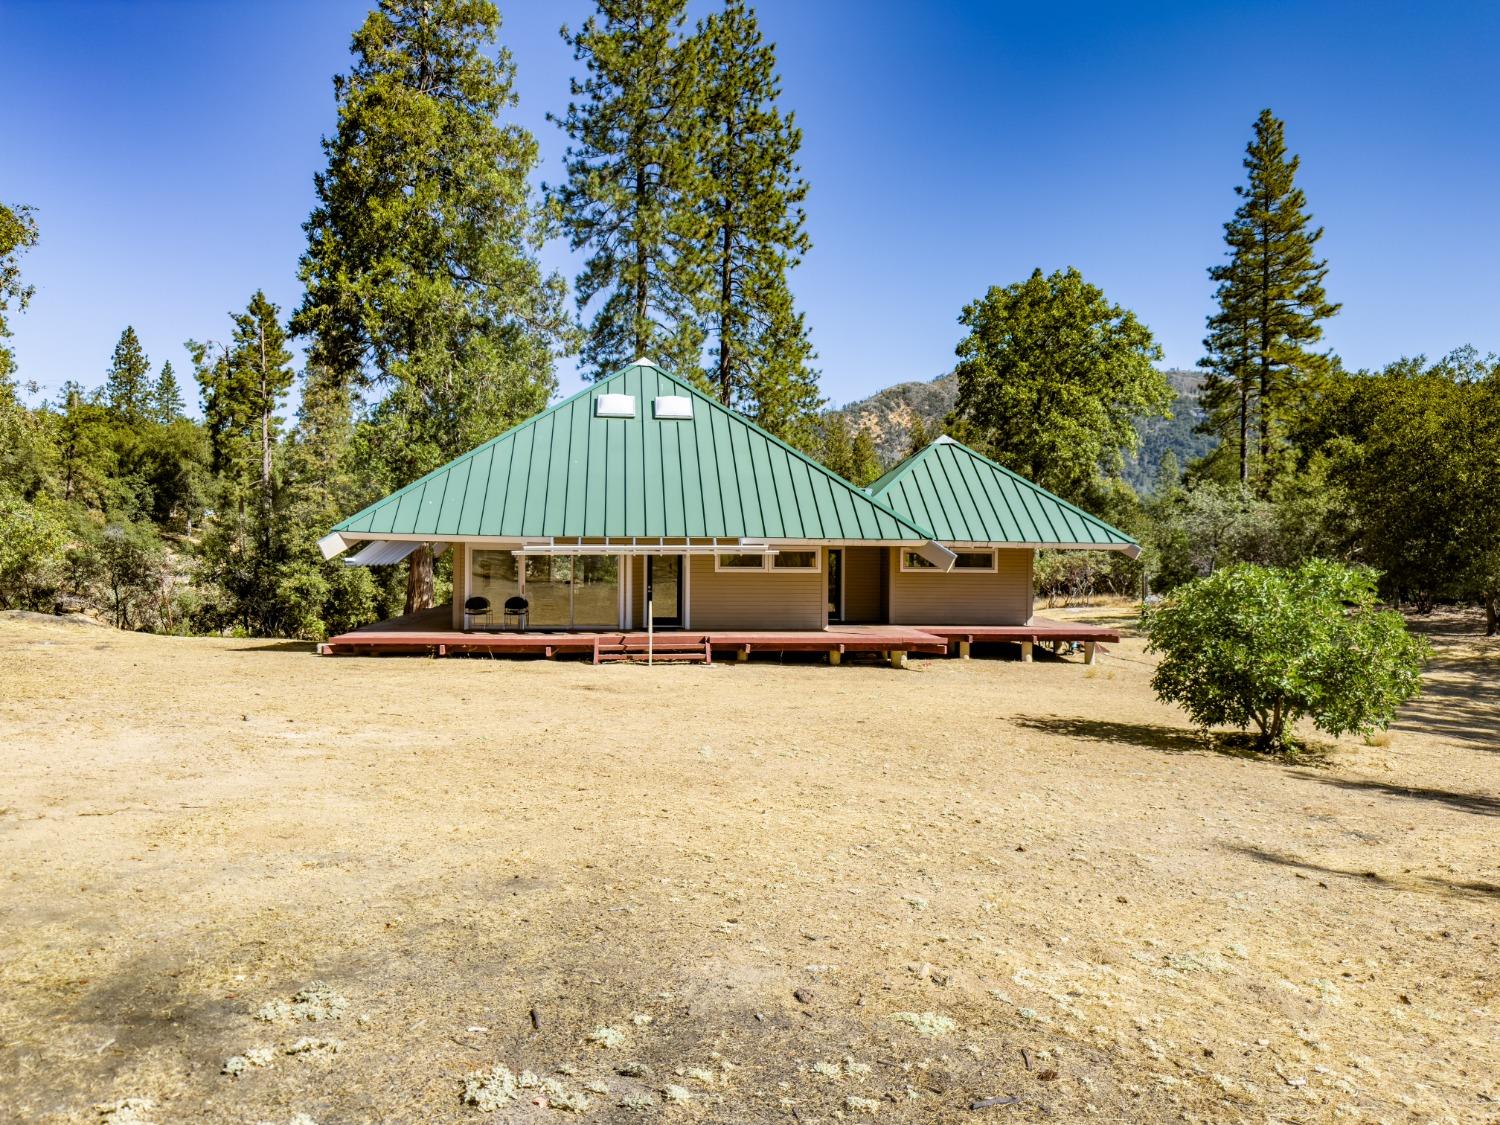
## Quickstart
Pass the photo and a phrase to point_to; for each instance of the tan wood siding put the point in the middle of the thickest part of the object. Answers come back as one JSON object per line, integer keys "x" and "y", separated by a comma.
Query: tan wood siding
{"x": 755, "y": 599}
{"x": 957, "y": 598}
{"x": 864, "y": 585}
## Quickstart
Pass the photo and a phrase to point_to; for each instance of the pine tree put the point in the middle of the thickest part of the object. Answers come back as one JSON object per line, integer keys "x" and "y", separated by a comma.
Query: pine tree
{"x": 421, "y": 268}
{"x": 127, "y": 387}
{"x": 1271, "y": 302}
{"x": 262, "y": 374}
{"x": 864, "y": 459}
{"x": 748, "y": 195}
{"x": 918, "y": 437}
{"x": 166, "y": 396}
{"x": 629, "y": 159}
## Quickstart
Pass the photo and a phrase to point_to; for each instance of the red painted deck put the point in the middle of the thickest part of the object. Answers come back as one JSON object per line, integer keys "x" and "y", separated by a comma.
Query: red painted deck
{"x": 430, "y": 631}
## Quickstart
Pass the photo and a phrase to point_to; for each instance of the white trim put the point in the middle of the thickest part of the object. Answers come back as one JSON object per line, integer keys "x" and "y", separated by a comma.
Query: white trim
{"x": 759, "y": 556}
{"x": 686, "y": 578}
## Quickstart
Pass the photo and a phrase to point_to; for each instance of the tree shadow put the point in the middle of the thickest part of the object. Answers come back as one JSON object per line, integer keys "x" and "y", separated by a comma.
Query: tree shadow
{"x": 1179, "y": 740}
{"x": 1420, "y": 884}
{"x": 1453, "y": 708}
{"x": 1480, "y": 803}
{"x": 276, "y": 646}
{"x": 1153, "y": 736}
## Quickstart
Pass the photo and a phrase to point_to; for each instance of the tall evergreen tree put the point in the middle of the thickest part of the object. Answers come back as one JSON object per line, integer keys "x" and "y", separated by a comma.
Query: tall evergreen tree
{"x": 261, "y": 370}
{"x": 166, "y": 396}
{"x": 1271, "y": 304}
{"x": 127, "y": 387}
{"x": 629, "y": 161}
{"x": 748, "y": 192}
{"x": 421, "y": 268}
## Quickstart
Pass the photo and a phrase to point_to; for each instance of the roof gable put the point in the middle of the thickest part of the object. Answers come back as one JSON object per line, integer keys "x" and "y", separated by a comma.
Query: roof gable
{"x": 568, "y": 473}
{"x": 963, "y": 496}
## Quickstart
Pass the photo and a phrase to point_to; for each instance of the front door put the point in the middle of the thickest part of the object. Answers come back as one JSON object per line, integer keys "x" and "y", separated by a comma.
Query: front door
{"x": 664, "y": 590}
{"x": 835, "y": 584}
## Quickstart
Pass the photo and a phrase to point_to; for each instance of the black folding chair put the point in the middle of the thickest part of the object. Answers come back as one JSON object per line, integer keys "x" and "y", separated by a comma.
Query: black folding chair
{"x": 475, "y": 607}
{"x": 517, "y": 607}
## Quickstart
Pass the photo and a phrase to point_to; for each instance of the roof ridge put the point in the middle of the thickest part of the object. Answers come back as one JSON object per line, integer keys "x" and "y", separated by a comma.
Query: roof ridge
{"x": 860, "y": 493}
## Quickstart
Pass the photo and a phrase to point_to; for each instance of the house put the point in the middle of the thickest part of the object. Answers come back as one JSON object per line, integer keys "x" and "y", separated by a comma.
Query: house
{"x": 641, "y": 503}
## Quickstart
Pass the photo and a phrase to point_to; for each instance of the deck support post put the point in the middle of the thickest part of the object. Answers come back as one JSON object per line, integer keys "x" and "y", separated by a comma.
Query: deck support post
{"x": 898, "y": 658}
{"x": 742, "y": 654}
{"x": 963, "y": 650}
{"x": 835, "y": 657}
{"x": 1026, "y": 647}
{"x": 1090, "y": 648}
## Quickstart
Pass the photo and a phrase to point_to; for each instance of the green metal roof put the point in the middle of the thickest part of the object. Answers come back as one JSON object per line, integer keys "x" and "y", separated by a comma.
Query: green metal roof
{"x": 567, "y": 473}
{"x": 965, "y": 497}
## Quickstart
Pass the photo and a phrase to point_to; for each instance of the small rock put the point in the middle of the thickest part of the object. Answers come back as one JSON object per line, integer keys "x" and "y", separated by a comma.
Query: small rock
{"x": 677, "y": 1094}
{"x": 803, "y": 996}
{"x": 633, "y": 1070}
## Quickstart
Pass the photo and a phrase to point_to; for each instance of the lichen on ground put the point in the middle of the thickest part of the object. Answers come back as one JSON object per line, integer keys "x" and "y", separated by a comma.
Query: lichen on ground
{"x": 316, "y": 1002}
{"x": 930, "y": 1025}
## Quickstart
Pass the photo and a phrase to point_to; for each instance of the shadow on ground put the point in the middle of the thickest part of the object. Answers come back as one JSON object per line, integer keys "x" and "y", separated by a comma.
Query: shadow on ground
{"x": 276, "y": 646}
{"x": 1421, "y": 884}
{"x": 1153, "y": 736}
{"x": 1176, "y": 740}
{"x": 1480, "y": 803}
{"x": 1458, "y": 701}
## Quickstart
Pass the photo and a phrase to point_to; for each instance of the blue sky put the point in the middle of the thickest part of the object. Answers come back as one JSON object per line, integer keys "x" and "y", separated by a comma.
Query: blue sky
{"x": 169, "y": 148}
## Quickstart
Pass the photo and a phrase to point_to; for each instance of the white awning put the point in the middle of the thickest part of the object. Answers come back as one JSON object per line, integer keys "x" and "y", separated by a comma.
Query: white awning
{"x": 383, "y": 552}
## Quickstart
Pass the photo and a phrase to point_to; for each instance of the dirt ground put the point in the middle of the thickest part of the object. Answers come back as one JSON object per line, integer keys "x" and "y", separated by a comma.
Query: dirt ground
{"x": 747, "y": 893}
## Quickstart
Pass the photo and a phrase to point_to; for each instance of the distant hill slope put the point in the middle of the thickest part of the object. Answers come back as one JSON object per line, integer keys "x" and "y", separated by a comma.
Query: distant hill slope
{"x": 888, "y": 416}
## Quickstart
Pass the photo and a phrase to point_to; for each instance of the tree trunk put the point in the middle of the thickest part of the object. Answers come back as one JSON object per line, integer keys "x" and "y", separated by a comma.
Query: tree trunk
{"x": 1244, "y": 429}
{"x": 640, "y": 264}
{"x": 1491, "y": 614}
{"x": 419, "y": 579}
{"x": 726, "y": 295}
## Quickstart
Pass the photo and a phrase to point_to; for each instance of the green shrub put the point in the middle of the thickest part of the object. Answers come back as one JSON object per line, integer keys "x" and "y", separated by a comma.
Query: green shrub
{"x": 1267, "y": 645}
{"x": 33, "y": 538}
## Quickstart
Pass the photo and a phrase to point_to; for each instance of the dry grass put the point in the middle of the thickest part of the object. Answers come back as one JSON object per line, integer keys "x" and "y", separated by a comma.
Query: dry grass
{"x": 749, "y": 893}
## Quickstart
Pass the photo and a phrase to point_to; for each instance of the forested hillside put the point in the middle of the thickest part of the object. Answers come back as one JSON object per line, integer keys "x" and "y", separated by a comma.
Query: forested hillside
{"x": 890, "y": 415}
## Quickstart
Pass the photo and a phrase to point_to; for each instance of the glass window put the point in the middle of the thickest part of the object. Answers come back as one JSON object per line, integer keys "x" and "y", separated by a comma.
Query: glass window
{"x": 740, "y": 562}
{"x": 910, "y": 560}
{"x": 494, "y": 577}
{"x": 795, "y": 560}
{"x": 596, "y": 590}
{"x": 975, "y": 560}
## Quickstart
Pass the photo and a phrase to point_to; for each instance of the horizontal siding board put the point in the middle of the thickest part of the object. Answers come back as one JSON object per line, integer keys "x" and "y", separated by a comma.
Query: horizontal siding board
{"x": 754, "y": 599}
{"x": 964, "y": 598}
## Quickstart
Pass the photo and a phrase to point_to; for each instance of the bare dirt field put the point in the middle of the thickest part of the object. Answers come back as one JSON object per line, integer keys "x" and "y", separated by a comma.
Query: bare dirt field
{"x": 372, "y": 888}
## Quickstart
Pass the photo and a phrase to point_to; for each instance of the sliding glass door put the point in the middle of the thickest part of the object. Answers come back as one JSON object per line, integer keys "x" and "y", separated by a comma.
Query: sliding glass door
{"x": 561, "y": 591}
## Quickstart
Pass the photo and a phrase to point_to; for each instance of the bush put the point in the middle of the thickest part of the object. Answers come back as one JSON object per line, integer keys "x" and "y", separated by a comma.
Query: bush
{"x": 1265, "y": 645}
{"x": 33, "y": 538}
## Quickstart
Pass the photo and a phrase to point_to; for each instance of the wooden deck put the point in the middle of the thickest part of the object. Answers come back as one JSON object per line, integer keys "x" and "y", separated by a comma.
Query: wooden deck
{"x": 430, "y": 632}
